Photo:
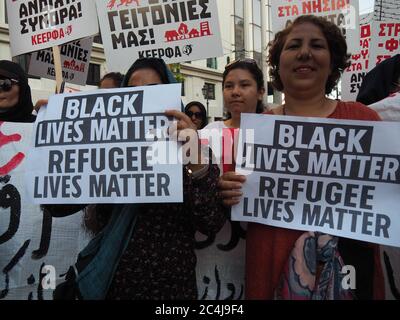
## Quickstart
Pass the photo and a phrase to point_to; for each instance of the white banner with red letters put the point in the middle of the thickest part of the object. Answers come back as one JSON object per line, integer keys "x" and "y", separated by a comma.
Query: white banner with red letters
{"x": 40, "y": 24}
{"x": 353, "y": 76}
{"x": 343, "y": 13}
{"x": 385, "y": 41}
{"x": 170, "y": 30}
{"x": 75, "y": 58}
{"x": 35, "y": 248}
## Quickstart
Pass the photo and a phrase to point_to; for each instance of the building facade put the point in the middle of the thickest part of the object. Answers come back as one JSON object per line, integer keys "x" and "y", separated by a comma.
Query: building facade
{"x": 245, "y": 31}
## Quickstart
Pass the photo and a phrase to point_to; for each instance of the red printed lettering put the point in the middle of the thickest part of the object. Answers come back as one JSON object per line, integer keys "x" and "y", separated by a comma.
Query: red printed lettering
{"x": 15, "y": 160}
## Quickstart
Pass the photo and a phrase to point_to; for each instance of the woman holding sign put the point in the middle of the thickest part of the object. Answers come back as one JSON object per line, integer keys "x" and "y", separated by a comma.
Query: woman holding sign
{"x": 15, "y": 94}
{"x": 306, "y": 61}
{"x": 243, "y": 91}
{"x": 146, "y": 251}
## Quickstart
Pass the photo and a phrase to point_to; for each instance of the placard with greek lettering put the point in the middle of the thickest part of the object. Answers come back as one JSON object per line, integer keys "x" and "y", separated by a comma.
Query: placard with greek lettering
{"x": 343, "y": 13}
{"x": 340, "y": 177}
{"x": 173, "y": 31}
{"x": 385, "y": 41}
{"x": 353, "y": 76}
{"x": 41, "y": 24}
{"x": 75, "y": 58}
{"x": 107, "y": 146}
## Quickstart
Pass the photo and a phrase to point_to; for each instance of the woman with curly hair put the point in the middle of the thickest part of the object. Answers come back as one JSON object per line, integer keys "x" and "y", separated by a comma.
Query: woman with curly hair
{"x": 306, "y": 60}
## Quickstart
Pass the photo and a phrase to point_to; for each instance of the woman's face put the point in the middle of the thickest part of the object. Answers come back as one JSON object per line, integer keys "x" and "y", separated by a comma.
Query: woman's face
{"x": 305, "y": 60}
{"x": 9, "y": 99}
{"x": 240, "y": 92}
{"x": 194, "y": 113}
{"x": 144, "y": 77}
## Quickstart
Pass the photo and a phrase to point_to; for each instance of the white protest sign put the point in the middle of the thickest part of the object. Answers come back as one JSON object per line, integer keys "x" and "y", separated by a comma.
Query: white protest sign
{"x": 107, "y": 146}
{"x": 40, "y": 24}
{"x": 35, "y": 249}
{"x": 171, "y": 30}
{"x": 343, "y": 13}
{"x": 337, "y": 177}
{"x": 353, "y": 76}
{"x": 75, "y": 58}
{"x": 385, "y": 41}
{"x": 220, "y": 267}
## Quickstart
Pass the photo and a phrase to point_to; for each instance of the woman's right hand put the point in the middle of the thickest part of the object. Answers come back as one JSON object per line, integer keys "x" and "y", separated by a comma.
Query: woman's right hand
{"x": 230, "y": 185}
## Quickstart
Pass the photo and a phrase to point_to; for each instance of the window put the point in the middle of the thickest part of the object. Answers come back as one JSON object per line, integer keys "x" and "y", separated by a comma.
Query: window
{"x": 258, "y": 57}
{"x": 257, "y": 34}
{"x": 210, "y": 90}
{"x": 239, "y": 29}
{"x": 93, "y": 77}
{"x": 257, "y": 44}
{"x": 5, "y": 12}
{"x": 239, "y": 8}
{"x": 97, "y": 39}
{"x": 183, "y": 88}
{"x": 257, "y": 12}
{"x": 212, "y": 63}
{"x": 239, "y": 38}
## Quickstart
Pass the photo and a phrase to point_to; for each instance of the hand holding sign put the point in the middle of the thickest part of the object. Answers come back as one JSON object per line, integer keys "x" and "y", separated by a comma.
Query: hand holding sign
{"x": 184, "y": 122}
{"x": 184, "y": 130}
{"x": 230, "y": 185}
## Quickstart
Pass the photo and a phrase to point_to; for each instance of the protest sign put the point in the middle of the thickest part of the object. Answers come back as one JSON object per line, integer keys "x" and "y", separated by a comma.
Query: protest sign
{"x": 353, "y": 76}
{"x": 35, "y": 249}
{"x": 171, "y": 30}
{"x": 340, "y": 178}
{"x": 40, "y": 24}
{"x": 343, "y": 13}
{"x": 75, "y": 58}
{"x": 107, "y": 146}
{"x": 220, "y": 267}
{"x": 385, "y": 41}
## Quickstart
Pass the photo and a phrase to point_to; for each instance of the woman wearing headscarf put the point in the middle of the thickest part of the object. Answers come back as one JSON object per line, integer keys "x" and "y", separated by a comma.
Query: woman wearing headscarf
{"x": 15, "y": 94}
{"x": 196, "y": 111}
{"x": 146, "y": 251}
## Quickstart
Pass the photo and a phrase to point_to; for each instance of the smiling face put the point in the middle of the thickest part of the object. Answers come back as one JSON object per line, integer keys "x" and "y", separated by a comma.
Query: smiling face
{"x": 241, "y": 93}
{"x": 9, "y": 99}
{"x": 305, "y": 60}
{"x": 144, "y": 77}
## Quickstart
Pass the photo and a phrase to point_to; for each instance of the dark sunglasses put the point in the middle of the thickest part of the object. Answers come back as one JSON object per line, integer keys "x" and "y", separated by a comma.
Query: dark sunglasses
{"x": 190, "y": 114}
{"x": 243, "y": 60}
{"x": 6, "y": 84}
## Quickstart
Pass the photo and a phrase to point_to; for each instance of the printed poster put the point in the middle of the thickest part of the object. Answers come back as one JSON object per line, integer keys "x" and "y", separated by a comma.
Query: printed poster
{"x": 173, "y": 31}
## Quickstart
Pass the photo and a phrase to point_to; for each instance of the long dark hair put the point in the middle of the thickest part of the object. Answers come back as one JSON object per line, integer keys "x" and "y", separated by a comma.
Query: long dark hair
{"x": 337, "y": 47}
{"x": 158, "y": 65}
{"x": 117, "y": 77}
{"x": 251, "y": 66}
{"x": 204, "y": 120}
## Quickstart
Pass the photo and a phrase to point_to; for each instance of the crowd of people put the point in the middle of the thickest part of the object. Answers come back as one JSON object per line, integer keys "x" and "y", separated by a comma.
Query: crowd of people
{"x": 146, "y": 251}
